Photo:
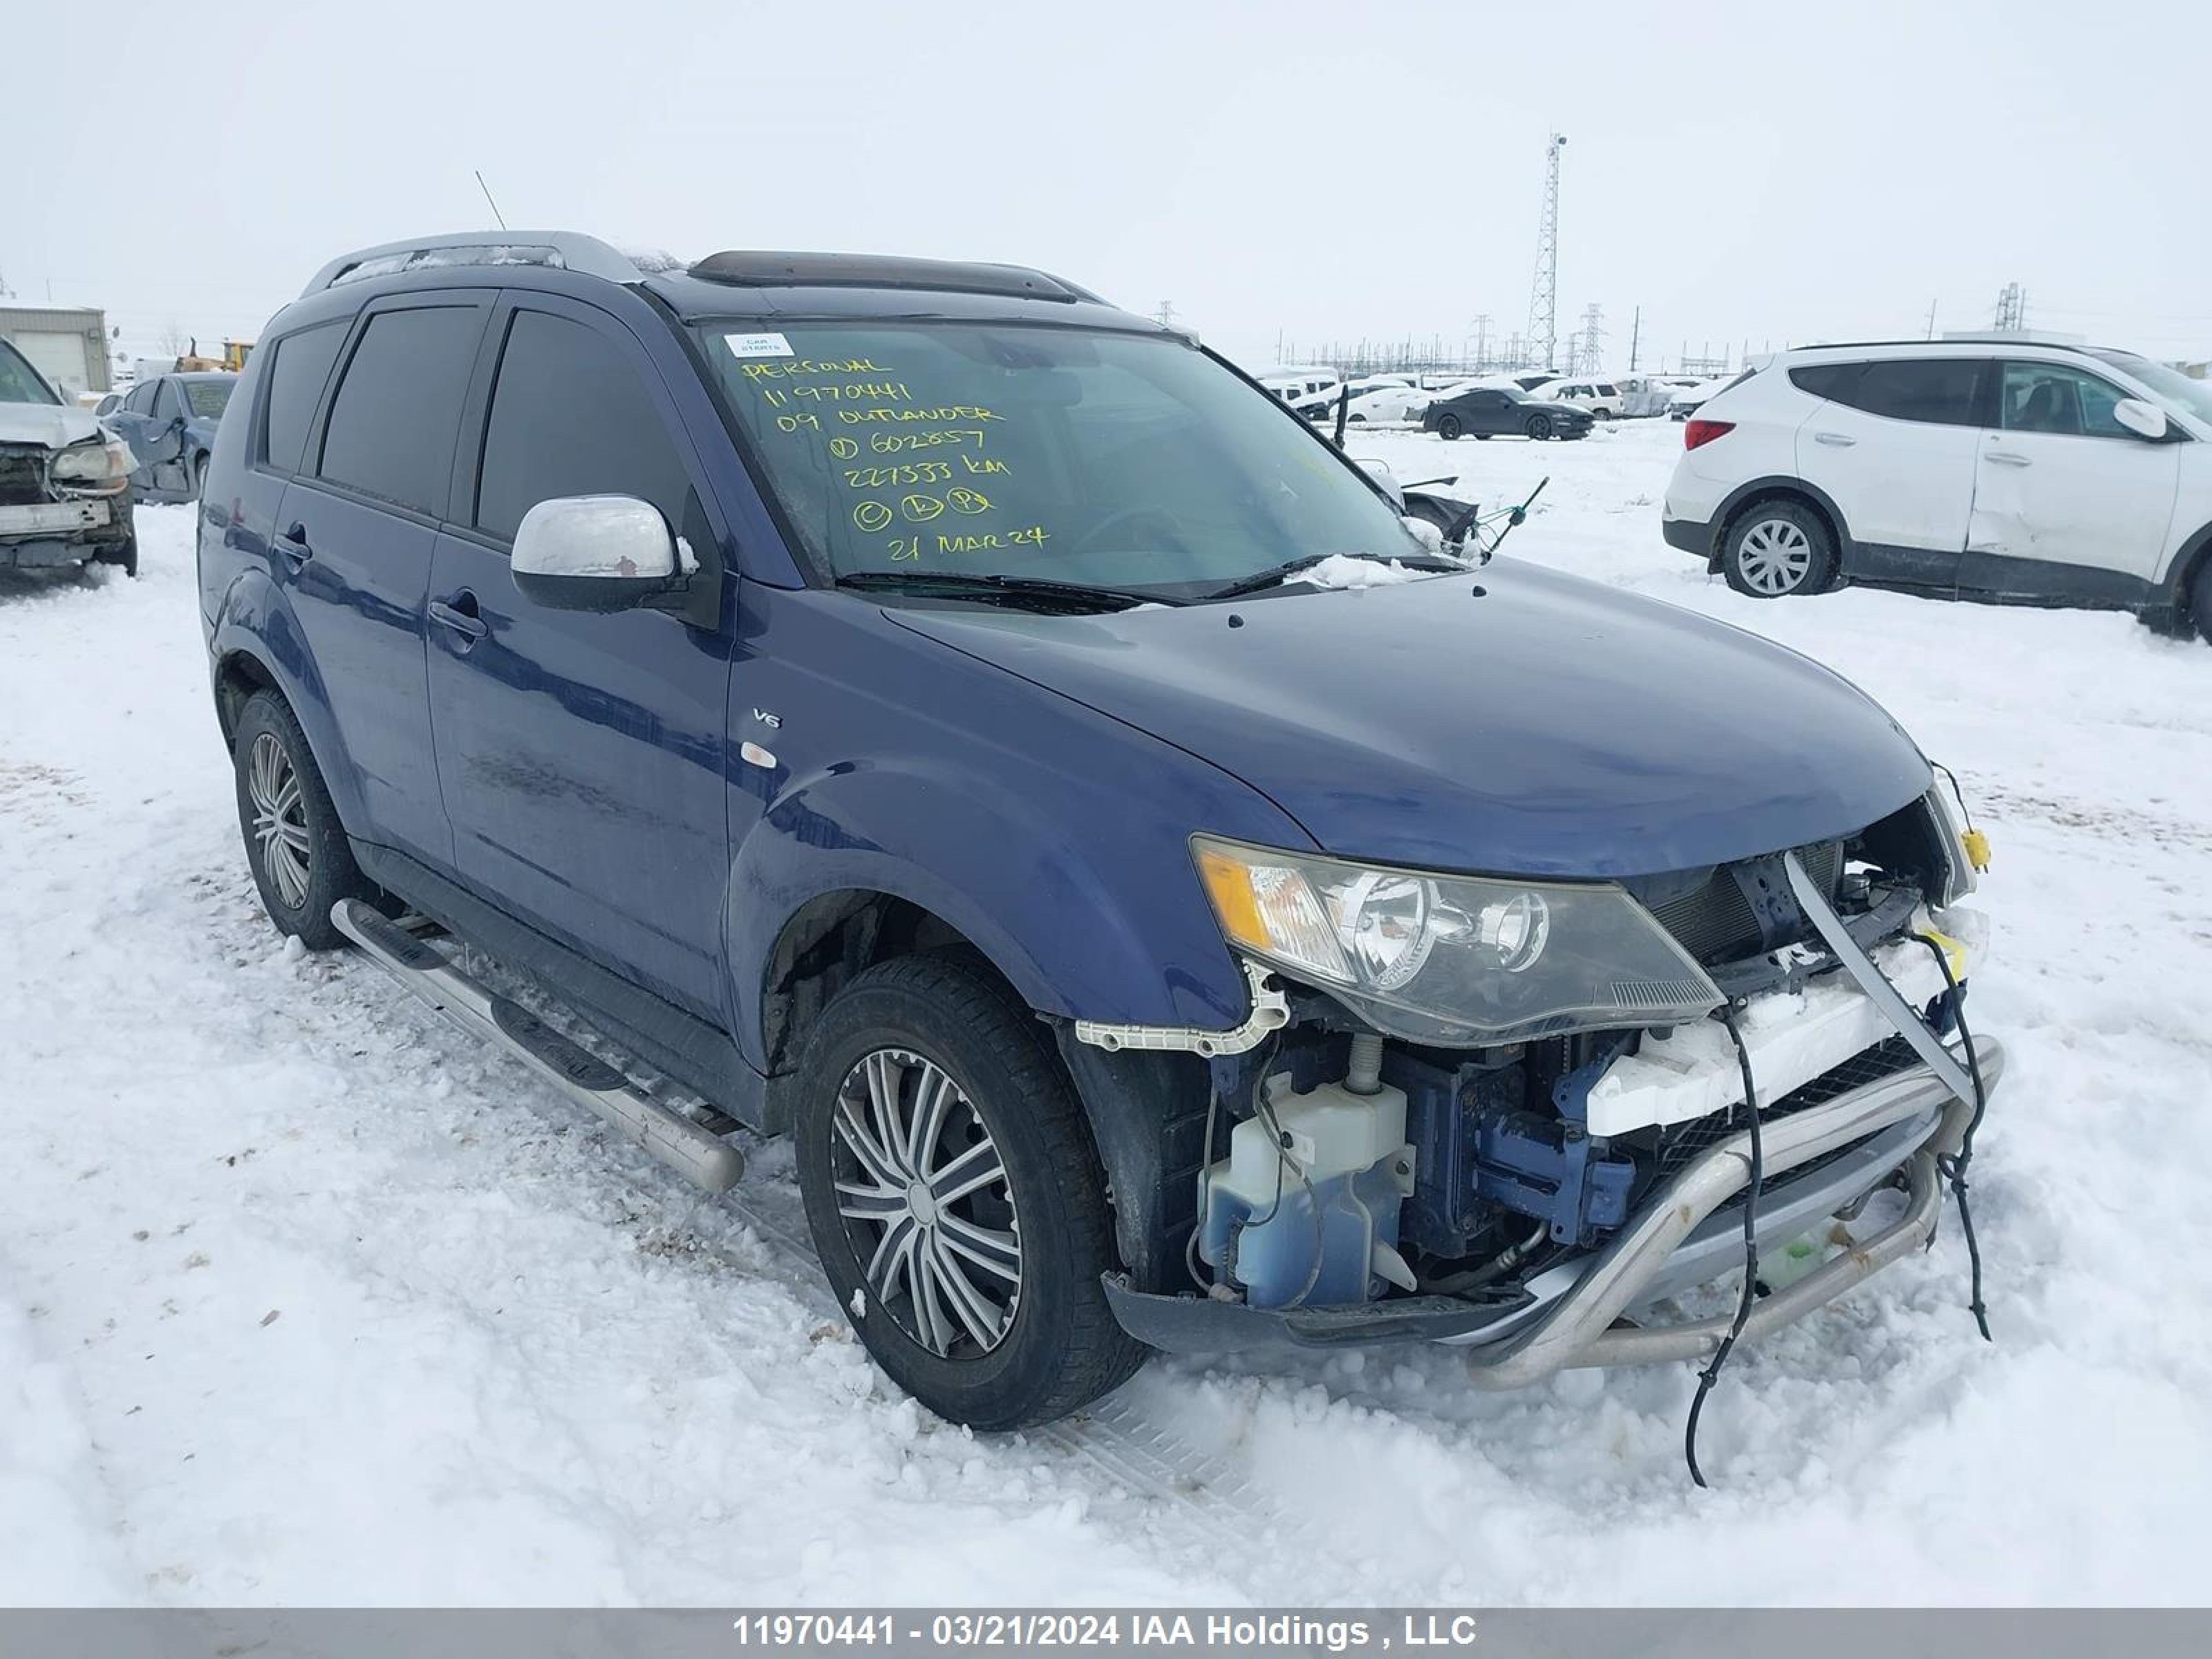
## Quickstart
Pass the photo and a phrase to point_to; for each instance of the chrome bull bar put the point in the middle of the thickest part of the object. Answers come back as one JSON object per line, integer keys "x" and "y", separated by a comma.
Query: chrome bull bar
{"x": 1580, "y": 1326}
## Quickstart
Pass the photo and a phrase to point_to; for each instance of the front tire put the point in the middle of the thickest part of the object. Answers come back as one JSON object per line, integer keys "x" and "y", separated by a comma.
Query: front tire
{"x": 294, "y": 842}
{"x": 2200, "y": 599}
{"x": 1776, "y": 549}
{"x": 1539, "y": 427}
{"x": 955, "y": 1197}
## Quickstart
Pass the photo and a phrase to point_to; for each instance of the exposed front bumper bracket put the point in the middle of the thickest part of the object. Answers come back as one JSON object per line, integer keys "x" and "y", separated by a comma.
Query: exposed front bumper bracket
{"x": 1271, "y": 1012}
{"x": 1860, "y": 966}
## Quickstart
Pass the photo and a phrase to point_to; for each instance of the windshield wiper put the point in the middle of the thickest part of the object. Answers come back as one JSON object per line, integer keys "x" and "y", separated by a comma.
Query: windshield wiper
{"x": 1289, "y": 567}
{"x": 995, "y": 584}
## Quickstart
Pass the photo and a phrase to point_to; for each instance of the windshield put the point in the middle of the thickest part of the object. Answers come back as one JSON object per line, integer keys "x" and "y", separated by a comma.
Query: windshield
{"x": 19, "y": 381}
{"x": 1115, "y": 461}
{"x": 2174, "y": 388}
{"x": 208, "y": 398}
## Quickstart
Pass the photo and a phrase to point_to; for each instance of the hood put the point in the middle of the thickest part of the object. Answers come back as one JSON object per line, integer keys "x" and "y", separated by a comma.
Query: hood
{"x": 51, "y": 424}
{"x": 1510, "y": 720}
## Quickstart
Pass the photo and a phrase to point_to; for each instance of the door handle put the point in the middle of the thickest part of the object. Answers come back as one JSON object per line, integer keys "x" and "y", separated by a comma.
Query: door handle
{"x": 1837, "y": 439}
{"x": 459, "y": 614}
{"x": 293, "y": 544}
{"x": 2006, "y": 457}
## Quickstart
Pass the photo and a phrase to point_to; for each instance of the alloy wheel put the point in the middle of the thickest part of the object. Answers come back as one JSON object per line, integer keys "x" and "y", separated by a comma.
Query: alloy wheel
{"x": 927, "y": 1205}
{"x": 1774, "y": 556}
{"x": 279, "y": 820}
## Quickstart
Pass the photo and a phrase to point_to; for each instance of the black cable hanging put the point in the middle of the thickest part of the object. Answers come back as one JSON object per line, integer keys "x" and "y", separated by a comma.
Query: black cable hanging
{"x": 1952, "y": 1166}
{"x": 1711, "y": 1373}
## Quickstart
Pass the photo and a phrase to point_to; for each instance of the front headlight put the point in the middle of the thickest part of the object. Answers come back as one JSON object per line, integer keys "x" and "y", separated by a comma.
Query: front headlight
{"x": 1454, "y": 959}
{"x": 92, "y": 465}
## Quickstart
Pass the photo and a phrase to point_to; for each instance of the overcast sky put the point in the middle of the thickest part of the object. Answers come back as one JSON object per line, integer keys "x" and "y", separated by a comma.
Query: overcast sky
{"x": 1769, "y": 172}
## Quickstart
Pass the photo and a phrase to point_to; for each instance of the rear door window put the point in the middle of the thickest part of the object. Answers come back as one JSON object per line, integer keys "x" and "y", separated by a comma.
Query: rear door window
{"x": 571, "y": 416}
{"x": 391, "y": 430}
{"x": 1935, "y": 390}
{"x": 302, "y": 364}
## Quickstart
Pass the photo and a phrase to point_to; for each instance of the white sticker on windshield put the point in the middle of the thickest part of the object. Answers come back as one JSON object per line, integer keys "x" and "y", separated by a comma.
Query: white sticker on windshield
{"x": 758, "y": 345}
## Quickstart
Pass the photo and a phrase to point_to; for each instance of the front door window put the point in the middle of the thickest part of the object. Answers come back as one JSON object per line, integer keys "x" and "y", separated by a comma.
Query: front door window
{"x": 2054, "y": 398}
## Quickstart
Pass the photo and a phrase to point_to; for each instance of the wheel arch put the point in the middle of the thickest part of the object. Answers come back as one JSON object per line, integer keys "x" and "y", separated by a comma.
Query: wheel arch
{"x": 2181, "y": 576}
{"x": 256, "y": 644}
{"x": 1780, "y": 487}
{"x": 1145, "y": 1112}
{"x": 831, "y": 940}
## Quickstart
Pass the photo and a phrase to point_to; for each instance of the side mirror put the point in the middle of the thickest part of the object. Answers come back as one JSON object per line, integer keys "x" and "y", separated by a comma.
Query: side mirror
{"x": 2145, "y": 420}
{"x": 1386, "y": 481}
{"x": 595, "y": 553}
{"x": 108, "y": 404}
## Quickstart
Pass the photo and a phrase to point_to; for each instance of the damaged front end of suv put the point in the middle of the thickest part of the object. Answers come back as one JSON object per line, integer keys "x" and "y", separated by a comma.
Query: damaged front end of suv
{"x": 64, "y": 479}
{"x": 1527, "y": 1116}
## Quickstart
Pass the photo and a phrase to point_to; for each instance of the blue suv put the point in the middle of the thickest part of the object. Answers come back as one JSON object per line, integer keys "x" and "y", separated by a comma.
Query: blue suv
{"x": 1171, "y": 900}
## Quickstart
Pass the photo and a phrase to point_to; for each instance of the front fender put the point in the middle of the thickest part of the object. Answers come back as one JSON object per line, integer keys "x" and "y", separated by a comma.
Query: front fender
{"x": 254, "y": 620}
{"x": 1081, "y": 927}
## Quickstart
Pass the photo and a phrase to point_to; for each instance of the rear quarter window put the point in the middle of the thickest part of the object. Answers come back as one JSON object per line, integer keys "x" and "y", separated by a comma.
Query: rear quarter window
{"x": 300, "y": 366}
{"x": 1830, "y": 380}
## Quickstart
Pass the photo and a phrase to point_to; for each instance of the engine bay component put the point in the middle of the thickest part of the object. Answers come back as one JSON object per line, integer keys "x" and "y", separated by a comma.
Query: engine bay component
{"x": 1304, "y": 1209}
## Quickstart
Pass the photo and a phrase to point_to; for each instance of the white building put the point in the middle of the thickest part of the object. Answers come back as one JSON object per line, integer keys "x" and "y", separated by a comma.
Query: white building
{"x": 67, "y": 344}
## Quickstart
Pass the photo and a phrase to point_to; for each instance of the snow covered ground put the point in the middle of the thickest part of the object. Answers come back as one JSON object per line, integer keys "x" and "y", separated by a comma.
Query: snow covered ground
{"x": 303, "y": 1298}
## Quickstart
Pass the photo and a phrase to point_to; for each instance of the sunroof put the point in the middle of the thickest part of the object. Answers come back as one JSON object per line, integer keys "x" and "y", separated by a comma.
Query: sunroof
{"x": 757, "y": 270}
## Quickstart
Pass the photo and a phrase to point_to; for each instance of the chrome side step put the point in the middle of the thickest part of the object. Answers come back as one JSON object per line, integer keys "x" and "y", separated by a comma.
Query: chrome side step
{"x": 687, "y": 1147}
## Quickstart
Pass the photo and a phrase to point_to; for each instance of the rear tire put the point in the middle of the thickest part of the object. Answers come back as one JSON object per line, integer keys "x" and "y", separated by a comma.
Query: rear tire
{"x": 295, "y": 843}
{"x": 985, "y": 1305}
{"x": 1449, "y": 428}
{"x": 2200, "y": 599}
{"x": 199, "y": 476}
{"x": 1776, "y": 549}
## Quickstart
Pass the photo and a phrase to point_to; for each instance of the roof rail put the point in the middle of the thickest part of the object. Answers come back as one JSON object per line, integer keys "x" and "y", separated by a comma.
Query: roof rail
{"x": 563, "y": 250}
{"x": 1962, "y": 336}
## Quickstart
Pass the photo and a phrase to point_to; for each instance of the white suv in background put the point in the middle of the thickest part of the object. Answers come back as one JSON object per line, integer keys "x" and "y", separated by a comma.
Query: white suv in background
{"x": 1600, "y": 399}
{"x": 2006, "y": 469}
